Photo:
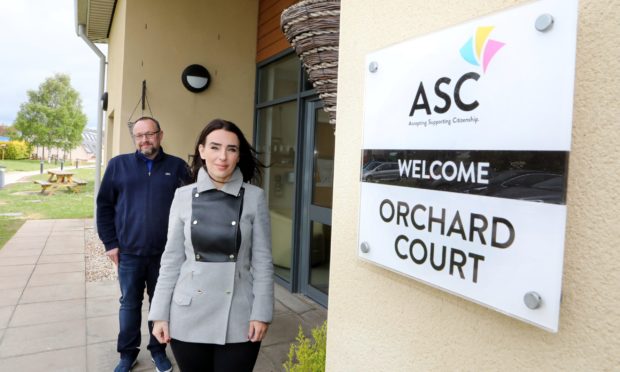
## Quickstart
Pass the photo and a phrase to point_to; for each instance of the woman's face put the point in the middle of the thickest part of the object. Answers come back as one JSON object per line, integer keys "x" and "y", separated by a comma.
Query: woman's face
{"x": 221, "y": 154}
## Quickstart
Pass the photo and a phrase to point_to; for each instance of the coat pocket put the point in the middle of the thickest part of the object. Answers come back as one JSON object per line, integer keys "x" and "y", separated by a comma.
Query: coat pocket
{"x": 181, "y": 299}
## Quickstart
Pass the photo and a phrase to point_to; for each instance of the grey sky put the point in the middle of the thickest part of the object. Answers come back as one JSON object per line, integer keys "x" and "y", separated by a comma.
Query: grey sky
{"x": 37, "y": 40}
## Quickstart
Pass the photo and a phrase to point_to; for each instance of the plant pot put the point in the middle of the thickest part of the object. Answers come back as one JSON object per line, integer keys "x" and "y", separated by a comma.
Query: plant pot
{"x": 313, "y": 29}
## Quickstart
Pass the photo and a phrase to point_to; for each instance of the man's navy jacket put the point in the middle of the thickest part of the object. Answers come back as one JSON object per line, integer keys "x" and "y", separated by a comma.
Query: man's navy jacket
{"x": 133, "y": 203}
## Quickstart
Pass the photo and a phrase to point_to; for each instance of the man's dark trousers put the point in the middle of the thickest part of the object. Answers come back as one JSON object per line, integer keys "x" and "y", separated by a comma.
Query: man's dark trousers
{"x": 134, "y": 273}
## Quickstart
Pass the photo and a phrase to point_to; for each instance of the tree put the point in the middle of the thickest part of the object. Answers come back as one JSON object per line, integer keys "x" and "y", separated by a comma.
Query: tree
{"x": 53, "y": 115}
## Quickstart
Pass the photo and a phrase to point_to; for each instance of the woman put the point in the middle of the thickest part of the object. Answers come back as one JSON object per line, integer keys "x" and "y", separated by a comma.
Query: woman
{"x": 214, "y": 296}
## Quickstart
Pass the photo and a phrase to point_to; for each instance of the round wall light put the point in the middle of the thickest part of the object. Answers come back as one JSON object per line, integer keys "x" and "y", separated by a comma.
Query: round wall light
{"x": 195, "y": 78}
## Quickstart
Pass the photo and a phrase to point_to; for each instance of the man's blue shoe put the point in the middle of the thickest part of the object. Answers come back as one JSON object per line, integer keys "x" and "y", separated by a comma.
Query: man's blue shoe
{"x": 125, "y": 365}
{"x": 162, "y": 363}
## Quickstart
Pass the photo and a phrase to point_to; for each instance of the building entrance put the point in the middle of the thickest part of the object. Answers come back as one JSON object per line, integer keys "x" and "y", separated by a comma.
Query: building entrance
{"x": 294, "y": 137}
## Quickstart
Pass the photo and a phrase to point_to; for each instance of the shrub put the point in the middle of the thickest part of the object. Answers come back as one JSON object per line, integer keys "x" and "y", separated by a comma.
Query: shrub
{"x": 306, "y": 355}
{"x": 15, "y": 150}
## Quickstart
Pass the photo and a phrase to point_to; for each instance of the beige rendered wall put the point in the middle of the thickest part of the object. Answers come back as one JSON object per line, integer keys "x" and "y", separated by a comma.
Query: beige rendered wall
{"x": 116, "y": 58}
{"x": 381, "y": 321}
{"x": 163, "y": 37}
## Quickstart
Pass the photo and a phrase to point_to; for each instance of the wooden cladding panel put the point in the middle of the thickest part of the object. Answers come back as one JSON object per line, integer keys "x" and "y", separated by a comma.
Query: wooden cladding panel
{"x": 270, "y": 40}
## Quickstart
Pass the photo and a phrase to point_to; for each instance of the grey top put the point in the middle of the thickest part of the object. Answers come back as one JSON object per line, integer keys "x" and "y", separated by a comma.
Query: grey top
{"x": 213, "y": 302}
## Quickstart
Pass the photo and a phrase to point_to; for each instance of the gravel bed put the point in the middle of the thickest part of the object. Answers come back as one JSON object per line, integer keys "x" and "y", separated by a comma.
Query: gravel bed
{"x": 98, "y": 265}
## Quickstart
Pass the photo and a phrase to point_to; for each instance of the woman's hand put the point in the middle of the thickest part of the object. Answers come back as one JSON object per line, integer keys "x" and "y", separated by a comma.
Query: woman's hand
{"x": 160, "y": 331}
{"x": 257, "y": 330}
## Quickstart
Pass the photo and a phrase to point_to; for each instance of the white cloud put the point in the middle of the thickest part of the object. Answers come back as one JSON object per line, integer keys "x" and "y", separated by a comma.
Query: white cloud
{"x": 37, "y": 40}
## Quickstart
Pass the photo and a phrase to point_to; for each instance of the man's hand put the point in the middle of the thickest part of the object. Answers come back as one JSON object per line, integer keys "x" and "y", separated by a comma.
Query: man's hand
{"x": 257, "y": 330}
{"x": 160, "y": 331}
{"x": 113, "y": 255}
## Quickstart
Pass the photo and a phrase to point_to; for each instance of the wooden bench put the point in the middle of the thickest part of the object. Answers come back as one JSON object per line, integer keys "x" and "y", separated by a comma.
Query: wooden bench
{"x": 76, "y": 185}
{"x": 45, "y": 185}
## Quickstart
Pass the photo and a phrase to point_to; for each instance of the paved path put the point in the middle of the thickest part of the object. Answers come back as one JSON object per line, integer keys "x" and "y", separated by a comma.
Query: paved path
{"x": 51, "y": 319}
{"x": 13, "y": 177}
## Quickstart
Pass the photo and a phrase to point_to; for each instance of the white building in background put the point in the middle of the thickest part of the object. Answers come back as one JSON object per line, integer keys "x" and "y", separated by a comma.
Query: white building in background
{"x": 84, "y": 152}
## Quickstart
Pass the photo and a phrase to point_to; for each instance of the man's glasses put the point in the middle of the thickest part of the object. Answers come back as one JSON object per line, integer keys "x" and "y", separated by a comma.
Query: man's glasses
{"x": 147, "y": 135}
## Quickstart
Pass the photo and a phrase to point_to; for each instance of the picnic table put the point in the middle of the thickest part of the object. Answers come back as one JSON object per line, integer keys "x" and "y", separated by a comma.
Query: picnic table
{"x": 60, "y": 176}
{"x": 60, "y": 179}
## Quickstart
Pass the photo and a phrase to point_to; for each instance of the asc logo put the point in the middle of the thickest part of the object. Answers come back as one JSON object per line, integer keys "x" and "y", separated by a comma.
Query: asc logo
{"x": 478, "y": 50}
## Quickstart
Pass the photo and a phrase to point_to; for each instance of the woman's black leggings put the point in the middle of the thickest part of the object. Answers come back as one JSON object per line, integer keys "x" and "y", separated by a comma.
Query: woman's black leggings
{"x": 194, "y": 357}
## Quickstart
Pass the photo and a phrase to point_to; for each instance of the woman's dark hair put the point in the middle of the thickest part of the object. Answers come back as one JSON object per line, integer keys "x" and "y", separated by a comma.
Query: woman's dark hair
{"x": 249, "y": 164}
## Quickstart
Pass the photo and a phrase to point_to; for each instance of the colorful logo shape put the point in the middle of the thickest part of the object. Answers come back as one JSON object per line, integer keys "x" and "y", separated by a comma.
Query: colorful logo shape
{"x": 480, "y": 49}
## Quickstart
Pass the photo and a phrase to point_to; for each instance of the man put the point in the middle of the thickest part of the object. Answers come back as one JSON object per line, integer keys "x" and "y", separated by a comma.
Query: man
{"x": 133, "y": 205}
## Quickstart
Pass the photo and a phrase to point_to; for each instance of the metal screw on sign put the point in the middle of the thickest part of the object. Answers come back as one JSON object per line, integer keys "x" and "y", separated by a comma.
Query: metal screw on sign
{"x": 544, "y": 22}
{"x": 365, "y": 247}
{"x": 532, "y": 300}
{"x": 373, "y": 66}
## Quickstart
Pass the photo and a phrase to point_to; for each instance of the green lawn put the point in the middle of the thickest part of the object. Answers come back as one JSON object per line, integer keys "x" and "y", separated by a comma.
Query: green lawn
{"x": 23, "y": 201}
{"x": 33, "y": 165}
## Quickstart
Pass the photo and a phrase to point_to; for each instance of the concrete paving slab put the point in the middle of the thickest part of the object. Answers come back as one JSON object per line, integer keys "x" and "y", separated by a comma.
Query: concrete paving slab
{"x": 283, "y": 329}
{"x": 313, "y": 318}
{"x": 22, "y": 260}
{"x": 58, "y": 258}
{"x": 32, "y": 235}
{"x": 16, "y": 269}
{"x": 66, "y": 236}
{"x": 66, "y": 360}
{"x": 19, "y": 252}
{"x": 57, "y": 292}
{"x": 68, "y": 231}
{"x": 56, "y": 278}
{"x": 101, "y": 356}
{"x": 59, "y": 239}
{"x": 106, "y": 288}
{"x": 276, "y": 355}
{"x": 279, "y": 308}
{"x": 101, "y": 329}
{"x": 27, "y": 241}
{"x": 48, "y": 312}
{"x": 292, "y": 301}
{"x": 62, "y": 267}
{"x": 43, "y": 337}
{"x": 14, "y": 281}
{"x": 100, "y": 306}
{"x": 264, "y": 364}
{"x": 69, "y": 249}
{"x": 5, "y": 315}
{"x": 69, "y": 224}
{"x": 10, "y": 296}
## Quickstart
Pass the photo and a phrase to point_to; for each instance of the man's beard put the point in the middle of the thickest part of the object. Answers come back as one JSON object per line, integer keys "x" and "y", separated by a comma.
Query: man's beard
{"x": 149, "y": 151}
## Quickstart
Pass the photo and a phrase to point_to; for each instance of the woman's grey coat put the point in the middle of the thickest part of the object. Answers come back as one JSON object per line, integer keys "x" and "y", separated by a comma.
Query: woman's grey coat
{"x": 213, "y": 302}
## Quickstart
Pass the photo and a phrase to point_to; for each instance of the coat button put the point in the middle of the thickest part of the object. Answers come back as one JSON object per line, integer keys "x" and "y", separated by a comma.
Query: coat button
{"x": 199, "y": 291}
{"x": 233, "y": 223}
{"x": 198, "y": 257}
{"x": 232, "y": 256}
{"x": 196, "y": 195}
{"x": 195, "y": 222}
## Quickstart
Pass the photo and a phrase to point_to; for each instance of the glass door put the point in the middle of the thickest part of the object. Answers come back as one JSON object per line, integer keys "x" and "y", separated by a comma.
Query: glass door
{"x": 276, "y": 142}
{"x": 316, "y": 202}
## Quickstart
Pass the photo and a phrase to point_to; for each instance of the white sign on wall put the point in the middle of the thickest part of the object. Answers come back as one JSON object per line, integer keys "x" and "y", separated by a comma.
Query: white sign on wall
{"x": 466, "y": 140}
